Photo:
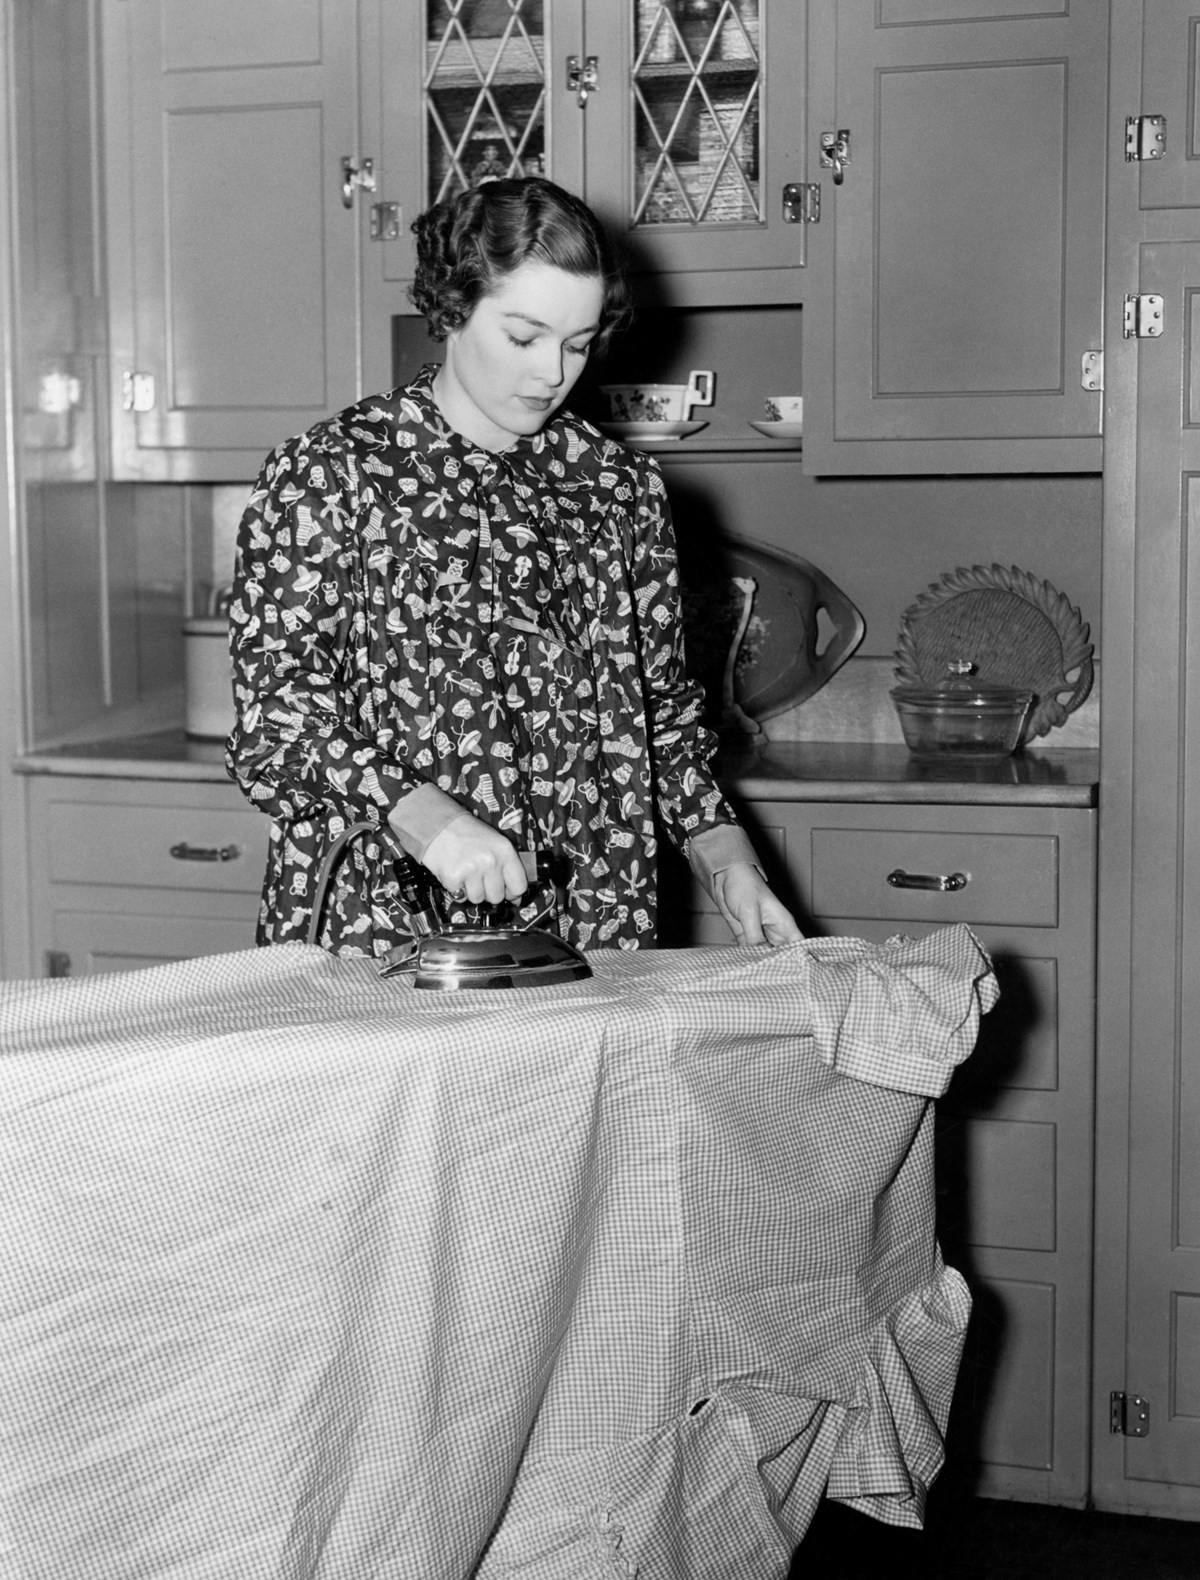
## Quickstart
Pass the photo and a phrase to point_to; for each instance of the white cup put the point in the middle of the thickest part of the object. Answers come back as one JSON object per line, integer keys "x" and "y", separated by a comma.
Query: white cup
{"x": 784, "y": 408}
{"x": 660, "y": 402}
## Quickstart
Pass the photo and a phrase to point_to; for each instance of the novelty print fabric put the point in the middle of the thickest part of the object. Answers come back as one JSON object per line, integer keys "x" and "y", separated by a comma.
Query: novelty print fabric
{"x": 410, "y": 608}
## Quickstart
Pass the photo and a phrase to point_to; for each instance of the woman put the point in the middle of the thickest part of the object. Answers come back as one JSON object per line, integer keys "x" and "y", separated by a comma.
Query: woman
{"x": 456, "y": 618}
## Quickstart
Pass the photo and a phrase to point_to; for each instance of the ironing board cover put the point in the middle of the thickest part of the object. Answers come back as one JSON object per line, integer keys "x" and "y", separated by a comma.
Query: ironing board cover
{"x": 314, "y": 1276}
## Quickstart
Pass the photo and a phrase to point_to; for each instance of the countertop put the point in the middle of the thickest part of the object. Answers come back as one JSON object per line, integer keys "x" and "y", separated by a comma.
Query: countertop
{"x": 776, "y": 771}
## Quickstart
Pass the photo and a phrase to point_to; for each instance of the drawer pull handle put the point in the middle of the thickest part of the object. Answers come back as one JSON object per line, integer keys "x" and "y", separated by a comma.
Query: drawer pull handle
{"x": 185, "y": 852}
{"x": 944, "y": 883}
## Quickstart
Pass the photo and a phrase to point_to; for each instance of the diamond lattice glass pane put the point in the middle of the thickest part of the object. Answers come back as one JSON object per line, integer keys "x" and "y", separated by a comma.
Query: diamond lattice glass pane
{"x": 696, "y": 112}
{"x": 485, "y": 92}
{"x": 696, "y": 100}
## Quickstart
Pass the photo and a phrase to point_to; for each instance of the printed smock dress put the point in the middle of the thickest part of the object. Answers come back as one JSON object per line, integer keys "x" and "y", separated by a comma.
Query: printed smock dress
{"x": 411, "y": 609}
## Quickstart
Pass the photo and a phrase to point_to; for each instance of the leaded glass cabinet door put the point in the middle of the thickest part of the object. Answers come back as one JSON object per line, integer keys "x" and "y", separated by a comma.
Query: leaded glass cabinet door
{"x": 457, "y": 92}
{"x": 693, "y": 129}
{"x": 680, "y": 120}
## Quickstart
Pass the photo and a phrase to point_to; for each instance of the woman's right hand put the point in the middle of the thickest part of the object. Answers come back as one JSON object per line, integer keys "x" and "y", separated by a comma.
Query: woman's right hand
{"x": 474, "y": 862}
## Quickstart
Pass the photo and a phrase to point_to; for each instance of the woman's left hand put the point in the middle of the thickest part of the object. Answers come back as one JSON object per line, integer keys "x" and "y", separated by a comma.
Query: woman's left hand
{"x": 753, "y": 913}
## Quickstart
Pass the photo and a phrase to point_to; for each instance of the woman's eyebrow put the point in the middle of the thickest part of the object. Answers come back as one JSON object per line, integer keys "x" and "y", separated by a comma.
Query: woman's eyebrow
{"x": 536, "y": 323}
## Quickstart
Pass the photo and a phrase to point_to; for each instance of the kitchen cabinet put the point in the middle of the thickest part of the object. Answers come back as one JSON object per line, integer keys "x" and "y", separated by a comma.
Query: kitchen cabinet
{"x": 1148, "y": 1192}
{"x": 1015, "y": 1149}
{"x": 684, "y": 144}
{"x": 231, "y": 261}
{"x": 955, "y": 294}
{"x": 264, "y": 165}
{"x": 129, "y": 873}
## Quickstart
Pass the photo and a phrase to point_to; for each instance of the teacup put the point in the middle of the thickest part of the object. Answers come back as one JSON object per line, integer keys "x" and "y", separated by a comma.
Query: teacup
{"x": 784, "y": 408}
{"x": 659, "y": 402}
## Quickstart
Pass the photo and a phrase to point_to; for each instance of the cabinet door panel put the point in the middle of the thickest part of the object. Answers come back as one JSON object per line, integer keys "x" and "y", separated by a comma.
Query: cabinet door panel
{"x": 1157, "y": 1098}
{"x": 960, "y": 278}
{"x": 731, "y": 138}
{"x": 1171, "y": 80}
{"x": 232, "y": 258}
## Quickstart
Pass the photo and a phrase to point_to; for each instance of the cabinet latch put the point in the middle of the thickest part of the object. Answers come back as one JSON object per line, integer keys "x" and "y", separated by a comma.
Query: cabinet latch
{"x": 356, "y": 176}
{"x": 1128, "y": 1415}
{"x": 1091, "y": 370}
{"x": 583, "y": 78}
{"x": 1145, "y": 137}
{"x": 801, "y": 202}
{"x": 1143, "y": 317}
{"x": 835, "y": 153}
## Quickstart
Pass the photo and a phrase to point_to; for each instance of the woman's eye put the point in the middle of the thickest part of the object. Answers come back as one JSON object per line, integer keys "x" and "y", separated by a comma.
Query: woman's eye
{"x": 580, "y": 351}
{"x": 512, "y": 339}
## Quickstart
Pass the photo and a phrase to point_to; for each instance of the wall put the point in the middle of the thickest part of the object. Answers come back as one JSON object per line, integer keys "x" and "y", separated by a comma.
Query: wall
{"x": 883, "y": 541}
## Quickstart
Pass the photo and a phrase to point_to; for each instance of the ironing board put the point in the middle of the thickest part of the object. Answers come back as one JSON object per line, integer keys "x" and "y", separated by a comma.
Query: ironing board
{"x": 314, "y": 1276}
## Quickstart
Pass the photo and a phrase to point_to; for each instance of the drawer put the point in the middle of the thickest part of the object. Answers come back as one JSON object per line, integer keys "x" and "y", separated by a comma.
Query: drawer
{"x": 998, "y": 879}
{"x": 177, "y": 847}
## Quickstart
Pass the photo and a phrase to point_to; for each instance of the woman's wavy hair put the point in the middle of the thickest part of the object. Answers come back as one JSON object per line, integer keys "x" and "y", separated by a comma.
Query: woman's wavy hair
{"x": 467, "y": 244}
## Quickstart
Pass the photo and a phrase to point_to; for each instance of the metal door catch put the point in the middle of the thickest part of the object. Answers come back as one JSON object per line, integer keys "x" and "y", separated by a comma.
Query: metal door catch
{"x": 583, "y": 79}
{"x": 356, "y": 176}
{"x": 835, "y": 153}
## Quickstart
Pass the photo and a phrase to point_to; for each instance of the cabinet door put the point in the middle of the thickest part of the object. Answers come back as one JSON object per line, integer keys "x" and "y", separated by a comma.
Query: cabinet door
{"x": 693, "y": 132}
{"x": 957, "y": 271}
{"x": 454, "y": 94}
{"x": 1148, "y": 1193}
{"x": 232, "y": 258}
{"x": 683, "y": 128}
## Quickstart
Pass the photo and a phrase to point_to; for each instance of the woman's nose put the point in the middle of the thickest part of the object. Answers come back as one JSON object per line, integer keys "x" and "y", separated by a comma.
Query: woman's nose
{"x": 553, "y": 367}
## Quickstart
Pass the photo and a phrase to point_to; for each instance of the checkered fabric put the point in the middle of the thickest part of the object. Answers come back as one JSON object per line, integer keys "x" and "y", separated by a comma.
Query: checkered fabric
{"x": 312, "y": 1275}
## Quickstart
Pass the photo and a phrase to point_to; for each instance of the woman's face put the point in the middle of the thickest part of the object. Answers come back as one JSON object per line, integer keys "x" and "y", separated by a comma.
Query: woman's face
{"x": 518, "y": 356}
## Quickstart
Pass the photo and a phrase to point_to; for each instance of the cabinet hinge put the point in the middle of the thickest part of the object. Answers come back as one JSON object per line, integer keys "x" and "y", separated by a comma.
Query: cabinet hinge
{"x": 1143, "y": 317}
{"x": 1145, "y": 137}
{"x": 58, "y": 963}
{"x": 137, "y": 391}
{"x": 1129, "y": 1415}
{"x": 385, "y": 221}
{"x": 1091, "y": 370}
{"x": 802, "y": 202}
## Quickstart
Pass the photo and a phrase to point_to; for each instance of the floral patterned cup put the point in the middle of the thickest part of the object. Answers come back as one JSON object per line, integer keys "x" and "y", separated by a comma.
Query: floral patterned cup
{"x": 784, "y": 408}
{"x": 659, "y": 402}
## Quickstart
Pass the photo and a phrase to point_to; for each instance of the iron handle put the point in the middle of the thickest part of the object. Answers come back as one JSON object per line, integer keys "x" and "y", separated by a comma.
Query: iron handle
{"x": 185, "y": 852}
{"x": 943, "y": 883}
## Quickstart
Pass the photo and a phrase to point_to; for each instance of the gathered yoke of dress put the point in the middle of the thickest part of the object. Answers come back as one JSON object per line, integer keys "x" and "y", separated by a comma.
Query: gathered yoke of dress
{"x": 413, "y": 609}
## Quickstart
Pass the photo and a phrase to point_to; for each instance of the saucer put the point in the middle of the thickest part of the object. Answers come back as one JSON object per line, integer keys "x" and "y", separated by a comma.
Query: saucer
{"x": 780, "y": 430}
{"x": 651, "y": 432}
